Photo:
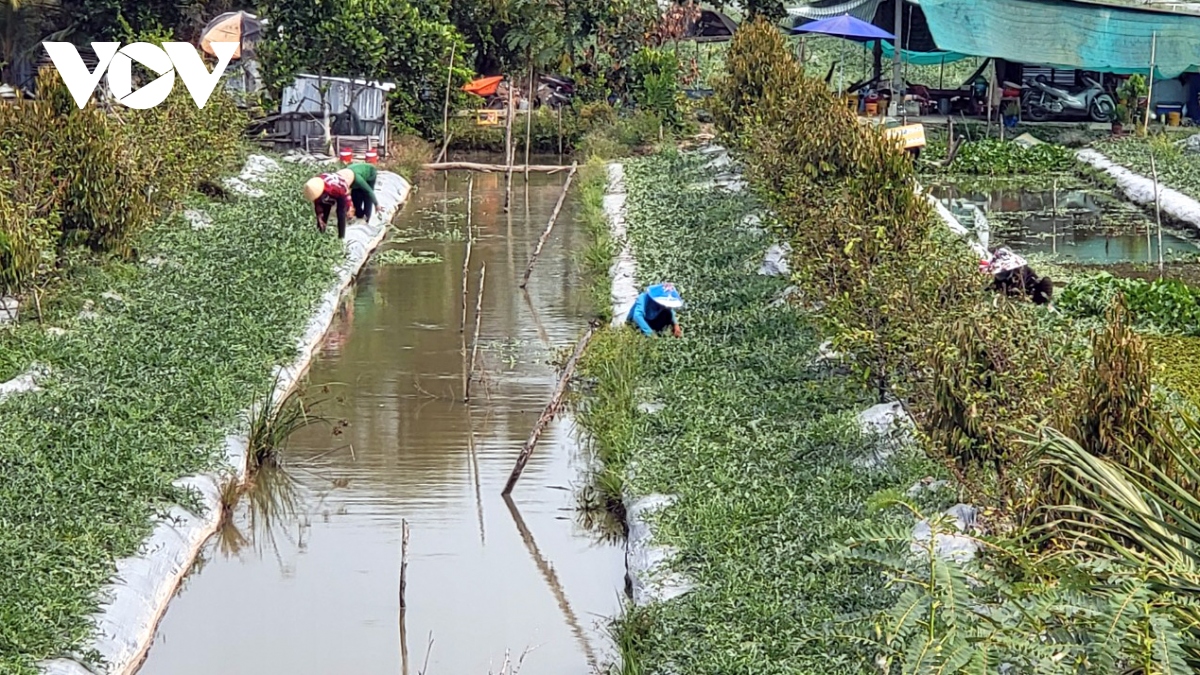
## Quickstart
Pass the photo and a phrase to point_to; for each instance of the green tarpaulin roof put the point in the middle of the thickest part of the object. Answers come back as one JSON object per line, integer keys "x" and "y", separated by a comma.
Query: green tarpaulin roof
{"x": 1067, "y": 34}
{"x": 919, "y": 58}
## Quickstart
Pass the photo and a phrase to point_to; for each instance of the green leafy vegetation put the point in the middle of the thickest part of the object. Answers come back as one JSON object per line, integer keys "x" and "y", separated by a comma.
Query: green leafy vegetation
{"x": 1177, "y": 168}
{"x": 758, "y": 445}
{"x": 985, "y": 379}
{"x": 400, "y": 257}
{"x": 1160, "y": 305}
{"x": 140, "y": 395}
{"x": 993, "y": 157}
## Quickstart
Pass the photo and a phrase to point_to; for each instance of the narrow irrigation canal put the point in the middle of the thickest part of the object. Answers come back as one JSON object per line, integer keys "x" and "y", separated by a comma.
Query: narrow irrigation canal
{"x": 305, "y": 579}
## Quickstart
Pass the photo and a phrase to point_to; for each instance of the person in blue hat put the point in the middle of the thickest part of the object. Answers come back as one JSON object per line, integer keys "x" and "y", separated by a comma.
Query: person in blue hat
{"x": 654, "y": 310}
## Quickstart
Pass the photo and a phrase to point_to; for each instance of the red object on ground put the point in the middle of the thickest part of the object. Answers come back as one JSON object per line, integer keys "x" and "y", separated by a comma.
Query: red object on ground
{"x": 372, "y": 156}
{"x": 346, "y": 155}
{"x": 484, "y": 86}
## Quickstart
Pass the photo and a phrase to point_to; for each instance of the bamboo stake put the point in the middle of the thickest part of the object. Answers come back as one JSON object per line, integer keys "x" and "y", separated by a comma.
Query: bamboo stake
{"x": 1054, "y": 222}
{"x": 446, "y": 108}
{"x": 403, "y": 563}
{"x": 403, "y": 642}
{"x": 551, "y": 409}
{"x": 562, "y": 197}
{"x": 508, "y": 151}
{"x": 489, "y": 168}
{"x": 475, "y": 341}
{"x": 462, "y": 324}
{"x": 1150, "y": 82}
{"x": 528, "y": 121}
{"x": 560, "y": 147}
{"x": 1157, "y": 212}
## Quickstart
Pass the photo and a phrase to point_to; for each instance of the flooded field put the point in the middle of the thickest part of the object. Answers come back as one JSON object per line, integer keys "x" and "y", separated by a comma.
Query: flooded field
{"x": 305, "y": 580}
{"x": 1073, "y": 223}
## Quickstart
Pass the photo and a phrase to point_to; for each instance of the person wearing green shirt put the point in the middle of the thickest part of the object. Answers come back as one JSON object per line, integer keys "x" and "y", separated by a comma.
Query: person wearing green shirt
{"x": 351, "y": 187}
{"x": 362, "y": 188}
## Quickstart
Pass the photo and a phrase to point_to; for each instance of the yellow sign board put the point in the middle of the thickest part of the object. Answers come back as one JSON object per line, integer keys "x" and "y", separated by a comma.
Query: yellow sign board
{"x": 909, "y": 136}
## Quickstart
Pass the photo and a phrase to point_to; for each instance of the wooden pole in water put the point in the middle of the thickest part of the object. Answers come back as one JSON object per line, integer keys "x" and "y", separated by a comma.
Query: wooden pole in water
{"x": 446, "y": 108}
{"x": 508, "y": 151}
{"x": 1054, "y": 221}
{"x": 560, "y": 147}
{"x": 475, "y": 341}
{"x": 462, "y": 325}
{"x": 1150, "y": 82}
{"x": 551, "y": 408}
{"x": 528, "y": 121}
{"x": 562, "y": 197}
{"x": 1157, "y": 212}
{"x": 403, "y": 563}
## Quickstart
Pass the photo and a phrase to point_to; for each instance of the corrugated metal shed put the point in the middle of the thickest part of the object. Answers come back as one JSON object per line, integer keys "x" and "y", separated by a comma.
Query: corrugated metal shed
{"x": 367, "y": 100}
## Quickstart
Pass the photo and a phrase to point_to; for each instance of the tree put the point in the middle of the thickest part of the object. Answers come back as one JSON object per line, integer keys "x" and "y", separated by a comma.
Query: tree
{"x": 385, "y": 40}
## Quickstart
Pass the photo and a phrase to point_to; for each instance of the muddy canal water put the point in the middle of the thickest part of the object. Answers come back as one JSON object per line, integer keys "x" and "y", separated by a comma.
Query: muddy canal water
{"x": 305, "y": 581}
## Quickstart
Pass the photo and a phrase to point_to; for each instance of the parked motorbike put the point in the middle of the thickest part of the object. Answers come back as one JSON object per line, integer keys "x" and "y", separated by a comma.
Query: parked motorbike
{"x": 555, "y": 90}
{"x": 1041, "y": 101}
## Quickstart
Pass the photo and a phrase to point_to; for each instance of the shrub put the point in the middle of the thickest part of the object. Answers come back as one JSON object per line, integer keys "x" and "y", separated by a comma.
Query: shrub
{"x": 758, "y": 52}
{"x": 86, "y": 177}
{"x": 995, "y": 373}
{"x": 656, "y": 85}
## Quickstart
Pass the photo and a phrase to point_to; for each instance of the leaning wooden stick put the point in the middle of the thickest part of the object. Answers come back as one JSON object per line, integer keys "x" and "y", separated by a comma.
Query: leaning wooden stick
{"x": 551, "y": 408}
{"x": 462, "y": 325}
{"x": 403, "y": 563}
{"x": 446, "y": 108}
{"x": 528, "y": 122}
{"x": 562, "y": 197}
{"x": 475, "y": 341}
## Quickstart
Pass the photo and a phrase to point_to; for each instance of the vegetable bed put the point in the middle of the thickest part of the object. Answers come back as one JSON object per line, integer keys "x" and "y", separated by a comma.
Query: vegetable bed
{"x": 758, "y": 444}
{"x": 139, "y": 395}
{"x": 1177, "y": 168}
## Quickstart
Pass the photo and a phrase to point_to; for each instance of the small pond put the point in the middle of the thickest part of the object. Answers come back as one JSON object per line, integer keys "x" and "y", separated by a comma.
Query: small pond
{"x": 1071, "y": 222}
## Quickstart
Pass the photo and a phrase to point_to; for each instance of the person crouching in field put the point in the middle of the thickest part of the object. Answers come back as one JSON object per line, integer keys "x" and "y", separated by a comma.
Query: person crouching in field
{"x": 654, "y": 310}
{"x": 350, "y": 190}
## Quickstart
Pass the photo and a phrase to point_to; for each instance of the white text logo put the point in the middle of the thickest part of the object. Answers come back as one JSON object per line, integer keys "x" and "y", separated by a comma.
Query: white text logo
{"x": 117, "y": 61}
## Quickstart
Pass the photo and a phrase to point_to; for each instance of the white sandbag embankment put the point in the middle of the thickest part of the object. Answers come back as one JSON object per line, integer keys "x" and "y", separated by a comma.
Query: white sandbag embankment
{"x": 1140, "y": 189}
{"x": 137, "y": 598}
{"x": 624, "y": 268}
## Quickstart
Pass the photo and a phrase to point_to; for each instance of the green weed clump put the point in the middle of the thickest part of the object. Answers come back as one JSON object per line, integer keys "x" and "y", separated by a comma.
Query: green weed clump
{"x": 1161, "y": 305}
{"x": 139, "y": 395}
{"x": 993, "y": 157}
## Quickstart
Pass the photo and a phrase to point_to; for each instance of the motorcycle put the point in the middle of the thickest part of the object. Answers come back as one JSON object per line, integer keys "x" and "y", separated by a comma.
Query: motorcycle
{"x": 1041, "y": 101}
{"x": 555, "y": 90}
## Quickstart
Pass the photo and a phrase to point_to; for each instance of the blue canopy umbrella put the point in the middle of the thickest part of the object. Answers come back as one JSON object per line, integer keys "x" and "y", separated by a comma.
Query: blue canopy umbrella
{"x": 847, "y": 27}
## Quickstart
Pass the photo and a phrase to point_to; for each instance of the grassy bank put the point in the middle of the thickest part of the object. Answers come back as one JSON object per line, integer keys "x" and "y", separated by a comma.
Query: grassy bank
{"x": 758, "y": 445}
{"x": 138, "y": 395}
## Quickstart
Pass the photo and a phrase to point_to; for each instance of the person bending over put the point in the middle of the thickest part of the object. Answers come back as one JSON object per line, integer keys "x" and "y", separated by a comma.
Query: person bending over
{"x": 654, "y": 310}
{"x": 350, "y": 190}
